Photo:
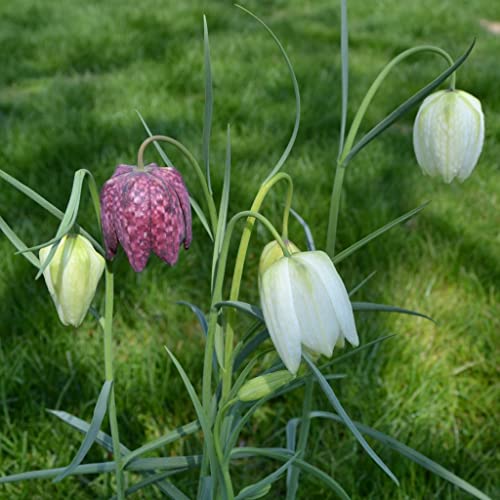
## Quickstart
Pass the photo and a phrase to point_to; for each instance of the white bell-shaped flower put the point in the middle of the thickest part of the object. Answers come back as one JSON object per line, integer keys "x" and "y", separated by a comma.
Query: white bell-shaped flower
{"x": 448, "y": 134}
{"x": 305, "y": 304}
{"x": 72, "y": 277}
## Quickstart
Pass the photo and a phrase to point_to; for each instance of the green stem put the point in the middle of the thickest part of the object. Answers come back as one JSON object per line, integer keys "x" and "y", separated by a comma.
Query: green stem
{"x": 108, "y": 372}
{"x": 240, "y": 263}
{"x": 223, "y": 461}
{"x": 192, "y": 160}
{"x": 217, "y": 296}
{"x": 339, "y": 174}
{"x": 305, "y": 424}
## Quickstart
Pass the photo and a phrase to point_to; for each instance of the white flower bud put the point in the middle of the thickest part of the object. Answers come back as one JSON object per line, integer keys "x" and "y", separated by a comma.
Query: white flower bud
{"x": 72, "y": 277}
{"x": 448, "y": 134}
{"x": 305, "y": 303}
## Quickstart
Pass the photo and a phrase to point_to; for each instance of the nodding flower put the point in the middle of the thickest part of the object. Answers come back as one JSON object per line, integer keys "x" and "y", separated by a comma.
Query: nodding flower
{"x": 146, "y": 210}
{"x": 305, "y": 304}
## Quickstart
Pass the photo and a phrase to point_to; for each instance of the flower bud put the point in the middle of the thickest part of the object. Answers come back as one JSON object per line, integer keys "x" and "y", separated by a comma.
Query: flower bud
{"x": 448, "y": 134}
{"x": 72, "y": 277}
{"x": 262, "y": 386}
{"x": 305, "y": 304}
{"x": 146, "y": 211}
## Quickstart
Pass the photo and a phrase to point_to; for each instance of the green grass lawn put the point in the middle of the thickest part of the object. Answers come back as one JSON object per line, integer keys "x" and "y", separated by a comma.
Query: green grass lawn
{"x": 72, "y": 75}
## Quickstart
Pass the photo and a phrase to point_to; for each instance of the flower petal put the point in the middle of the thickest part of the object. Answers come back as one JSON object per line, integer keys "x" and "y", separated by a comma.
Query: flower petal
{"x": 279, "y": 313}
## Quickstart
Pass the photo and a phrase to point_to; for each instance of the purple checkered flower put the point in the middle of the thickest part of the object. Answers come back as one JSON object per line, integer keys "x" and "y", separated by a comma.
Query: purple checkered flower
{"x": 145, "y": 210}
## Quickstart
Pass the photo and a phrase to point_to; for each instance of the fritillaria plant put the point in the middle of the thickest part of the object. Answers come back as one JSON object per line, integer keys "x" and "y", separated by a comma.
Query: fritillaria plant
{"x": 304, "y": 312}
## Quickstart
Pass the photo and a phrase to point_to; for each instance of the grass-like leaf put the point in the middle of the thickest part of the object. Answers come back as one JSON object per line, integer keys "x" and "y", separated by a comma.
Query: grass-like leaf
{"x": 18, "y": 243}
{"x": 410, "y": 453}
{"x": 209, "y": 103}
{"x": 296, "y": 90}
{"x": 199, "y": 314}
{"x": 284, "y": 455}
{"x": 344, "y": 65}
{"x": 363, "y": 241}
{"x": 224, "y": 204}
{"x": 200, "y": 412}
{"x": 332, "y": 398}
{"x": 260, "y": 488}
{"x": 406, "y": 106}
{"x": 45, "y": 204}
{"x": 250, "y": 347}
{"x": 169, "y": 437}
{"x": 307, "y": 230}
{"x": 362, "y": 283}
{"x": 201, "y": 216}
{"x": 249, "y": 309}
{"x": 154, "y": 480}
{"x": 90, "y": 437}
{"x": 102, "y": 438}
{"x": 370, "y": 306}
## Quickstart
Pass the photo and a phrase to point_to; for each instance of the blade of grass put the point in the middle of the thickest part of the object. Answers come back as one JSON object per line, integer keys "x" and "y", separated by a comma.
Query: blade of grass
{"x": 332, "y": 398}
{"x": 363, "y": 241}
{"x": 209, "y": 104}
{"x": 369, "y": 306}
{"x": 90, "y": 437}
{"x": 296, "y": 90}
{"x": 410, "y": 453}
{"x": 18, "y": 243}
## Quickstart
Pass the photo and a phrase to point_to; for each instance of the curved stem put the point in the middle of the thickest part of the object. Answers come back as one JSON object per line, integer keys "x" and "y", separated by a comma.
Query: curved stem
{"x": 239, "y": 265}
{"x": 108, "y": 371}
{"x": 339, "y": 174}
{"x": 192, "y": 160}
{"x": 217, "y": 297}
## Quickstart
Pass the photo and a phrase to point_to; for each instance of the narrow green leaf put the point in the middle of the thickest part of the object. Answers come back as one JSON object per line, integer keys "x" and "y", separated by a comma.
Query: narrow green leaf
{"x": 45, "y": 204}
{"x": 200, "y": 412}
{"x": 157, "y": 145}
{"x": 18, "y": 243}
{"x": 332, "y": 398}
{"x": 169, "y": 437}
{"x": 344, "y": 62}
{"x": 250, "y": 347}
{"x": 410, "y": 453}
{"x": 307, "y": 230}
{"x": 206, "y": 488}
{"x": 362, "y": 283}
{"x": 95, "y": 424}
{"x": 154, "y": 480}
{"x": 355, "y": 351}
{"x": 199, "y": 314}
{"x": 201, "y": 216}
{"x": 209, "y": 104}
{"x": 256, "y": 490}
{"x": 164, "y": 463}
{"x": 296, "y": 90}
{"x": 369, "y": 306}
{"x": 407, "y": 105}
{"x": 284, "y": 455}
{"x": 102, "y": 438}
{"x": 95, "y": 468}
{"x": 363, "y": 241}
{"x": 224, "y": 203}
{"x": 249, "y": 309}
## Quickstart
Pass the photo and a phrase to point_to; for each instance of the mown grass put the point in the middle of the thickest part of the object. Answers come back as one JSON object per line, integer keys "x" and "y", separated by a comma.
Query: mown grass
{"x": 72, "y": 75}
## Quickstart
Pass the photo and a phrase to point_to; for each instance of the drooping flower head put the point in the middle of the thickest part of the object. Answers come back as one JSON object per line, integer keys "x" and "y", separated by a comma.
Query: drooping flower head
{"x": 72, "y": 277}
{"x": 448, "y": 134}
{"x": 305, "y": 304}
{"x": 146, "y": 211}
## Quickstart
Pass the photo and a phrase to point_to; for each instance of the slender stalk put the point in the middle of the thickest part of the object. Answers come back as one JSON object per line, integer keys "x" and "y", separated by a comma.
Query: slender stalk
{"x": 240, "y": 263}
{"x": 339, "y": 174}
{"x": 108, "y": 372}
{"x": 305, "y": 424}
{"x": 192, "y": 160}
